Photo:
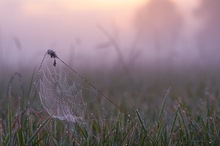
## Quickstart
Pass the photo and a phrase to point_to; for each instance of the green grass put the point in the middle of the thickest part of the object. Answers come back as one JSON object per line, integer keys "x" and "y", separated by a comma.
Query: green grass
{"x": 185, "y": 114}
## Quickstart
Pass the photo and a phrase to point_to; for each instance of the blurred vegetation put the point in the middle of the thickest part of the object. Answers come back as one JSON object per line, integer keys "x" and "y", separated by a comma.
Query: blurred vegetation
{"x": 170, "y": 107}
{"x": 161, "y": 102}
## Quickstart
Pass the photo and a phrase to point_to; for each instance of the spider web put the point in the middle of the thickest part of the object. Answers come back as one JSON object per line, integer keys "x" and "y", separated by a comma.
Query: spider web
{"x": 64, "y": 95}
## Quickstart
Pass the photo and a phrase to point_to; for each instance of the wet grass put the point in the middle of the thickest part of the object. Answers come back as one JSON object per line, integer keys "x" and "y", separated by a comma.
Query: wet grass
{"x": 165, "y": 111}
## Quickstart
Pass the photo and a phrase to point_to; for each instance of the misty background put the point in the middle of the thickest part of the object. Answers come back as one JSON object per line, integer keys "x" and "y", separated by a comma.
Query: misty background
{"x": 134, "y": 34}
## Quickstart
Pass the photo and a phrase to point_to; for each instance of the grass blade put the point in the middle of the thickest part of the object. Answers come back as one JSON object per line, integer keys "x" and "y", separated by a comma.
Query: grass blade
{"x": 39, "y": 129}
{"x": 163, "y": 104}
{"x": 173, "y": 125}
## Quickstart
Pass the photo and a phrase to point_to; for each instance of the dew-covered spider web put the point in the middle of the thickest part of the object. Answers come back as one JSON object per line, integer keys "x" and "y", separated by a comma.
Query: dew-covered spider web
{"x": 64, "y": 93}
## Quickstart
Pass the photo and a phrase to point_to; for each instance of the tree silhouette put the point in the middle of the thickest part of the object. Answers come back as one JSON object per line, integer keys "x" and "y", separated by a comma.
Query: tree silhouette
{"x": 209, "y": 38}
{"x": 159, "y": 23}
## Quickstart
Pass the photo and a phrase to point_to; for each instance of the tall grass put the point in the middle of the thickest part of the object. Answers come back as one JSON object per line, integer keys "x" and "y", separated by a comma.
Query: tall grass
{"x": 176, "y": 122}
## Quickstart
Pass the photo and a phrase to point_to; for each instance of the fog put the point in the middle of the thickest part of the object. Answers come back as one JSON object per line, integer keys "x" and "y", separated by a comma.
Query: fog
{"x": 176, "y": 32}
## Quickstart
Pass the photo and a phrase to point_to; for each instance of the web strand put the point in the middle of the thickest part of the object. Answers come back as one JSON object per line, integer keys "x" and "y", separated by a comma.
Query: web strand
{"x": 89, "y": 84}
{"x": 54, "y": 55}
{"x": 65, "y": 97}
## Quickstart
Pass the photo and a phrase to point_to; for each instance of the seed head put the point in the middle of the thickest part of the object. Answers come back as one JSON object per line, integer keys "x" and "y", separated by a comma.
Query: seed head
{"x": 52, "y": 53}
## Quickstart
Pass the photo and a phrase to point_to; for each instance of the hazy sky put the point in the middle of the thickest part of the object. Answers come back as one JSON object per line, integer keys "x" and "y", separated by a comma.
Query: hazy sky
{"x": 42, "y": 24}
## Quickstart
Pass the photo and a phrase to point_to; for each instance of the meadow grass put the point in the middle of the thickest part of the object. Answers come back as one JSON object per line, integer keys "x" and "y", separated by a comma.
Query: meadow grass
{"x": 178, "y": 117}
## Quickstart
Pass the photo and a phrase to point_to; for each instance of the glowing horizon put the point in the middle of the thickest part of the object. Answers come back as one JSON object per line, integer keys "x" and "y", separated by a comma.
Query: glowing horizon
{"x": 85, "y": 5}
{"x": 57, "y": 23}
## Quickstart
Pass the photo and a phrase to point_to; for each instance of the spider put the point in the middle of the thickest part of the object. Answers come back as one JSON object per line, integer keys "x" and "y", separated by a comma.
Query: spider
{"x": 52, "y": 55}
